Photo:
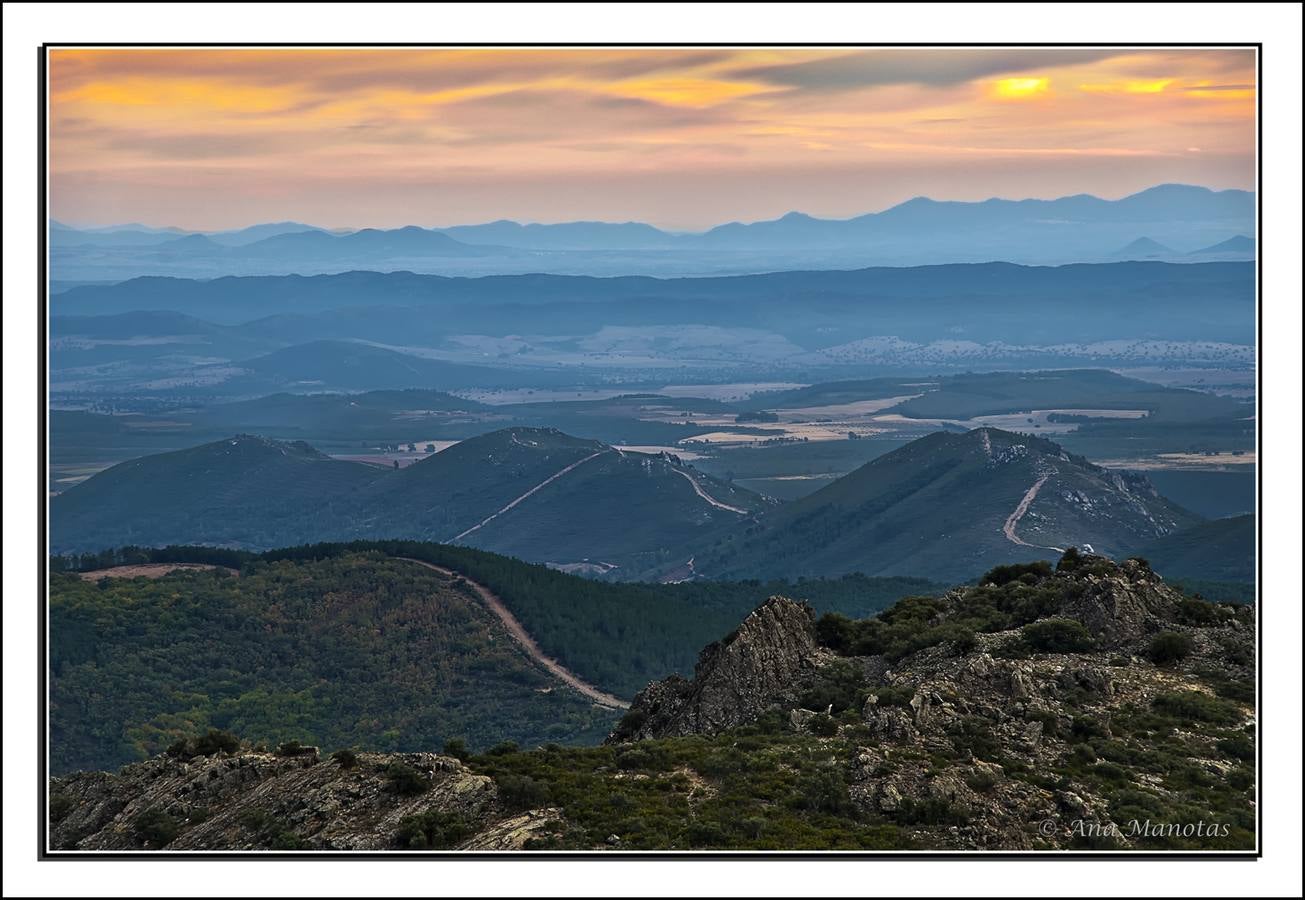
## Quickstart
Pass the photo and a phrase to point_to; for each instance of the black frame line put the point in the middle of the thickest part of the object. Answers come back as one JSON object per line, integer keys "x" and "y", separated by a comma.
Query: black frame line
{"x": 45, "y": 854}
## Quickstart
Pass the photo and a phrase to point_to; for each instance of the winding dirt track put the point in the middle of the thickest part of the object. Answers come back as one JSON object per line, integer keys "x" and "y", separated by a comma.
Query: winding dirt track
{"x": 1014, "y": 518}
{"x": 708, "y": 497}
{"x": 522, "y": 637}
{"x": 543, "y": 484}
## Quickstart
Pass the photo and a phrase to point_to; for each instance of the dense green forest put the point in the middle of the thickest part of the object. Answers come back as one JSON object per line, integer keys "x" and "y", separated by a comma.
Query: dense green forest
{"x": 350, "y": 650}
{"x": 618, "y": 636}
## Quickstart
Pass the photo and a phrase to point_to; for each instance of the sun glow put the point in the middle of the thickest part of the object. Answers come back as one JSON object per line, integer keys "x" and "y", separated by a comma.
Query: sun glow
{"x": 1018, "y": 88}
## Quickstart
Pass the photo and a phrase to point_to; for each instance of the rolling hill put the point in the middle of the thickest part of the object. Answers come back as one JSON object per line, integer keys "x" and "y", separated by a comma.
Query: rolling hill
{"x": 357, "y": 650}
{"x": 1144, "y": 248}
{"x": 244, "y": 491}
{"x": 1210, "y": 301}
{"x": 951, "y": 505}
{"x": 1218, "y": 550}
{"x": 537, "y": 493}
{"x": 1237, "y": 247}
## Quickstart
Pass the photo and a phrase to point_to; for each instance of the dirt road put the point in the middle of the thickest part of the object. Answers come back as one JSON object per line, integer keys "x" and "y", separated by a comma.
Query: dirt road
{"x": 710, "y": 499}
{"x": 1013, "y": 519}
{"x": 543, "y": 484}
{"x": 522, "y": 637}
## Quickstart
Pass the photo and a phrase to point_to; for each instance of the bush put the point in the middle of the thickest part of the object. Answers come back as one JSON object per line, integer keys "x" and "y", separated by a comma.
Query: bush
{"x": 823, "y": 725}
{"x": 1238, "y": 747}
{"x": 521, "y": 792}
{"x": 456, "y": 748}
{"x": 840, "y": 686}
{"x": 1170, "y": 647}
{"x": 406, "y": 781}
{"x": 294, "y": 748}
{"x": 503, "y": 748}
{"x": 215, "y": 741}
{"x": 432, "y": 830}
{"x": 1027, "y": 573}
{"x": 1190, "y": 707}
{"x": 347, "y": 759}
{"x": 1057, "y": 636}
{"x": 60, "y": 806}
{"x": 1070, "y": 560}
{"x": 1200, "y": 613}
{"x": 894, "y": 695}
{"x": 155, "y": 828}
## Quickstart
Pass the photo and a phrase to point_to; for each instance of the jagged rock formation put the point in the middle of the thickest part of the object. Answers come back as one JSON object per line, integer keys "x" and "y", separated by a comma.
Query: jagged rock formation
{"x": 770, "y": 656}
{"x": 1021, "y": 728}
{"x": 251, "y": 800}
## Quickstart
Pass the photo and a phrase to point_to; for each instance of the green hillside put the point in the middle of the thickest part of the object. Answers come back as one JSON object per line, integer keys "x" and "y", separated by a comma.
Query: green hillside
{"x": 533, "y": 492}
{"x": 942, "y": 505}
{"x": 355, "y": 650}
{"x": 244, "y": 491}
{"x": 1218, "y": 550}
{"x": 617, "y": 636}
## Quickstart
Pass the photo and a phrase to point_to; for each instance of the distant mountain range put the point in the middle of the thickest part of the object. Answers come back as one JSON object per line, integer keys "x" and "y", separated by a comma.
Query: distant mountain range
{"x": 1237, "y": 247}
{"x": 1021, "y": 305}
{"x": 950, "y": 504}
{"x": 920, "y": 231}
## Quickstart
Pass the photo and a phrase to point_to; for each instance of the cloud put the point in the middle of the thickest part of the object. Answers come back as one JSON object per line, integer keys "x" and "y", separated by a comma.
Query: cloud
{"x": 930, "y": 68}
{"x": 321, "y": 134}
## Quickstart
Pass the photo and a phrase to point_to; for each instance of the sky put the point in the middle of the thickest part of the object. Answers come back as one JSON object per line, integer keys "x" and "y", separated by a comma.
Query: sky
{"x": 682, "y": 138}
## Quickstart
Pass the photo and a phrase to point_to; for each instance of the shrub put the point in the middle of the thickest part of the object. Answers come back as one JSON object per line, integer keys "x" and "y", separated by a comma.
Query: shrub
{"x": 60, "y": 806}
{"x": 432, "y": 830}
{"x": 981, "y": 781}
{"x": 521, "y": 792}
{"x": 1193, "y": 706}
{"x": 294, "y": 748}
{"x": 215, "y": 741}
{"x": 1070, "y": 560}
{"x": 835, "y": 631}
{"x": 933, "y": 811}
{"x": 456, "y": 748}
{"x": 823, "y": 725}
{"x": 347, "y": 759}
{"x": 503, "y": 748}
{"x": 406, "y": 781}
{"x": 285, "y": 839}
{"x": 840, "y": 686}
{"x": 824, "y": 790}
{"x": 1238, "y": 747}
{"x": 1057, "y": 636}
{"x": 1170, "y": 647}
{"x": 1034, "y": 572}
{"x": 894, "y": 695}
{"x": 155, "y": 828}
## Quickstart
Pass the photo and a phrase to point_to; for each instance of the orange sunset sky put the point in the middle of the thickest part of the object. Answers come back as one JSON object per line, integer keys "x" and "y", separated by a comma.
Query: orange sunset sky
{"x": 682, "y": 138}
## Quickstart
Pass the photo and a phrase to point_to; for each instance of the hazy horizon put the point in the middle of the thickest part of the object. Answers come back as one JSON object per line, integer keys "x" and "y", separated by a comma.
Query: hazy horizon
{"x": 724, "y": 220}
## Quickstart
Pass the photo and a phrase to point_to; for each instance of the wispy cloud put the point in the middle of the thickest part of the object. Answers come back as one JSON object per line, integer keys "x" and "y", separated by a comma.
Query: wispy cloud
{"x": 225, "y": 137}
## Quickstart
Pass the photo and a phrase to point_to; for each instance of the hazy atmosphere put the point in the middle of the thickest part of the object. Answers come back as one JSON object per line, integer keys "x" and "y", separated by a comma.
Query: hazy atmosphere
{"x": 616, "y": 449}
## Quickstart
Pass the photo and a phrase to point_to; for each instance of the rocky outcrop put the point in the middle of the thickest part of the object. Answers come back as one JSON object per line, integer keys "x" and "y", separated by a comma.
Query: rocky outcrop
{"x": 1126, "y": 603}
{"x": 979, "y": 744}
{"x": 257, "y": 801}
{"x": 958, "y": 736}
{"x": 761, "y": 665}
